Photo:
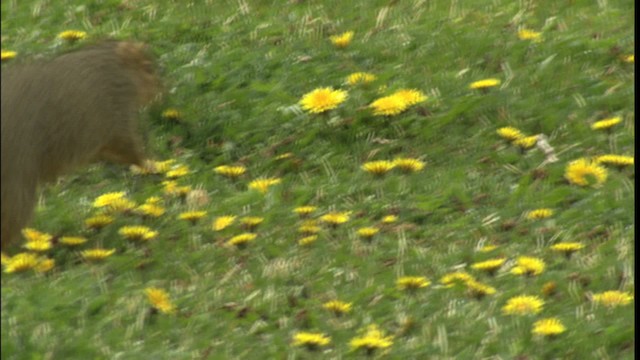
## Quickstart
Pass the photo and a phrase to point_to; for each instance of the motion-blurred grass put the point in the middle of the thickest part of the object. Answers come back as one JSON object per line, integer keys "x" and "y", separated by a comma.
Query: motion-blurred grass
{"x": 236, "y": 70}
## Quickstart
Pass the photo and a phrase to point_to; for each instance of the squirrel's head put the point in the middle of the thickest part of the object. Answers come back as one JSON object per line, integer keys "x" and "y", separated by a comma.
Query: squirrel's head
{"x": 137, "y": 58}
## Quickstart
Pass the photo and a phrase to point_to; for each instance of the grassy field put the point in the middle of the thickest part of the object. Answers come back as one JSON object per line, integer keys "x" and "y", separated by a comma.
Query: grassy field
{"x": 236, "y": 72}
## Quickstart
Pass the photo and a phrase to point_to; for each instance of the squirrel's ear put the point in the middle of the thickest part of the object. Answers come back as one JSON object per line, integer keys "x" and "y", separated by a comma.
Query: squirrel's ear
{"x": 129, "y": 49}
{"x": 140, "y": 46}
{"x": 135, "y": 54}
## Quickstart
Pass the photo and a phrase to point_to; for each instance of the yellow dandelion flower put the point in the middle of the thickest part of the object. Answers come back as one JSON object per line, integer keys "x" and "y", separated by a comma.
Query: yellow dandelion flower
{"x": 583, "y": 172}
{"x": 99, "y": 221}
{"x": 7, "y": 55}
{"x": 121, "y": 206}
{"x": 164, "y": 166}
{"x": 337, "y": 307}
{"x": 183, "y": 190}
{"x": 412, "y": 282}
{"x": 484, "y": 84}
{"x": 284, "y": 156}
{"x": 4, "y": 258}
{"x": 629, "y": 58}
{"x": 159, "y": 300}
{"x": 322, "y": 99}
{"x": 510, "y": 133}
{"x": 107, "y": 199}
{"x": 526, "y": 142}
{"x": 489, "y": 266}
{"x": 33, "y": 235}
{"x": 335, "y": 218}
{"x": 304, "y": 210}
{"x": 251, "y": 222}
{"x": 542, "y": 213}
{"x": 606, "y": 123}
{"x": 548, "y": 327}
{"x": 307, "y": 240}
{"x": 525, "y": 34}
{"x": 613, "y": 298}
{"x": 410, "y": 96}
{"x": 342, "y": 40}
{"x": 549, "y": 288}
{"x": 178, "y": 171}
{"x": 263, "y": 184}
{"x": 389, "y": 105}
{"x": 530, "y": 266}
{"x": 615, "y": 160}
{"x": 223, "y": 222}
{"x": 151, "y": 210}
{"x": 360, "y": 78}
{"x": 72, "y": 240}
{"x": 171, "y": 114}
{"x": 230, "y": 171}
{"x": 458, "y": 277}
{"x": 97, "y": 254}
{"x": 21, "y": 262}
{"x": 192, "y": 216}
{"x": 567, "y": 248}
{"x": 408, "y": 165}
{"x": 478, "y": 289}
{"x": 368, "y": 232}
{"x": 153, "y": 200}
{"x": 242, "y": 240}
{"x": 38, "y": 245}
{"x": 171, "y": 188}
{"x": 378, "y": 167}
{"x": 372, "y": 340}
{"x": 488, "y": 248}
{"x": 138, "y": 233}
{"x": 311, "y": 341}
{"x": 523, "y": 305}
{"x": 72, "y": 35}
{"x": 389, "y": 219}
{"x": 309, "y": 228}
{"x": 45, "y": 265}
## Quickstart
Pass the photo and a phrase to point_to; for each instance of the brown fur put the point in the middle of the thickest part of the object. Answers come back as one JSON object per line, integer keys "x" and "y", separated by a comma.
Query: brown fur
{"x": 67, "y": 112}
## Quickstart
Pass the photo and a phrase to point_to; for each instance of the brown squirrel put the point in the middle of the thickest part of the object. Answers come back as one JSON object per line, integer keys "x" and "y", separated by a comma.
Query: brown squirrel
{"x": 72, "y": 110}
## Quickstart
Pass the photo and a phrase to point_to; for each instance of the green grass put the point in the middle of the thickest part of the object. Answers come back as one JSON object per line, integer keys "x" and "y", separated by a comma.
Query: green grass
{"x": 236, "y": 71}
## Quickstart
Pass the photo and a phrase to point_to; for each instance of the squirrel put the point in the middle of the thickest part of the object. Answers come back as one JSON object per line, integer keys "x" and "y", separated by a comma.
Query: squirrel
{"x": 77, "y": 108}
